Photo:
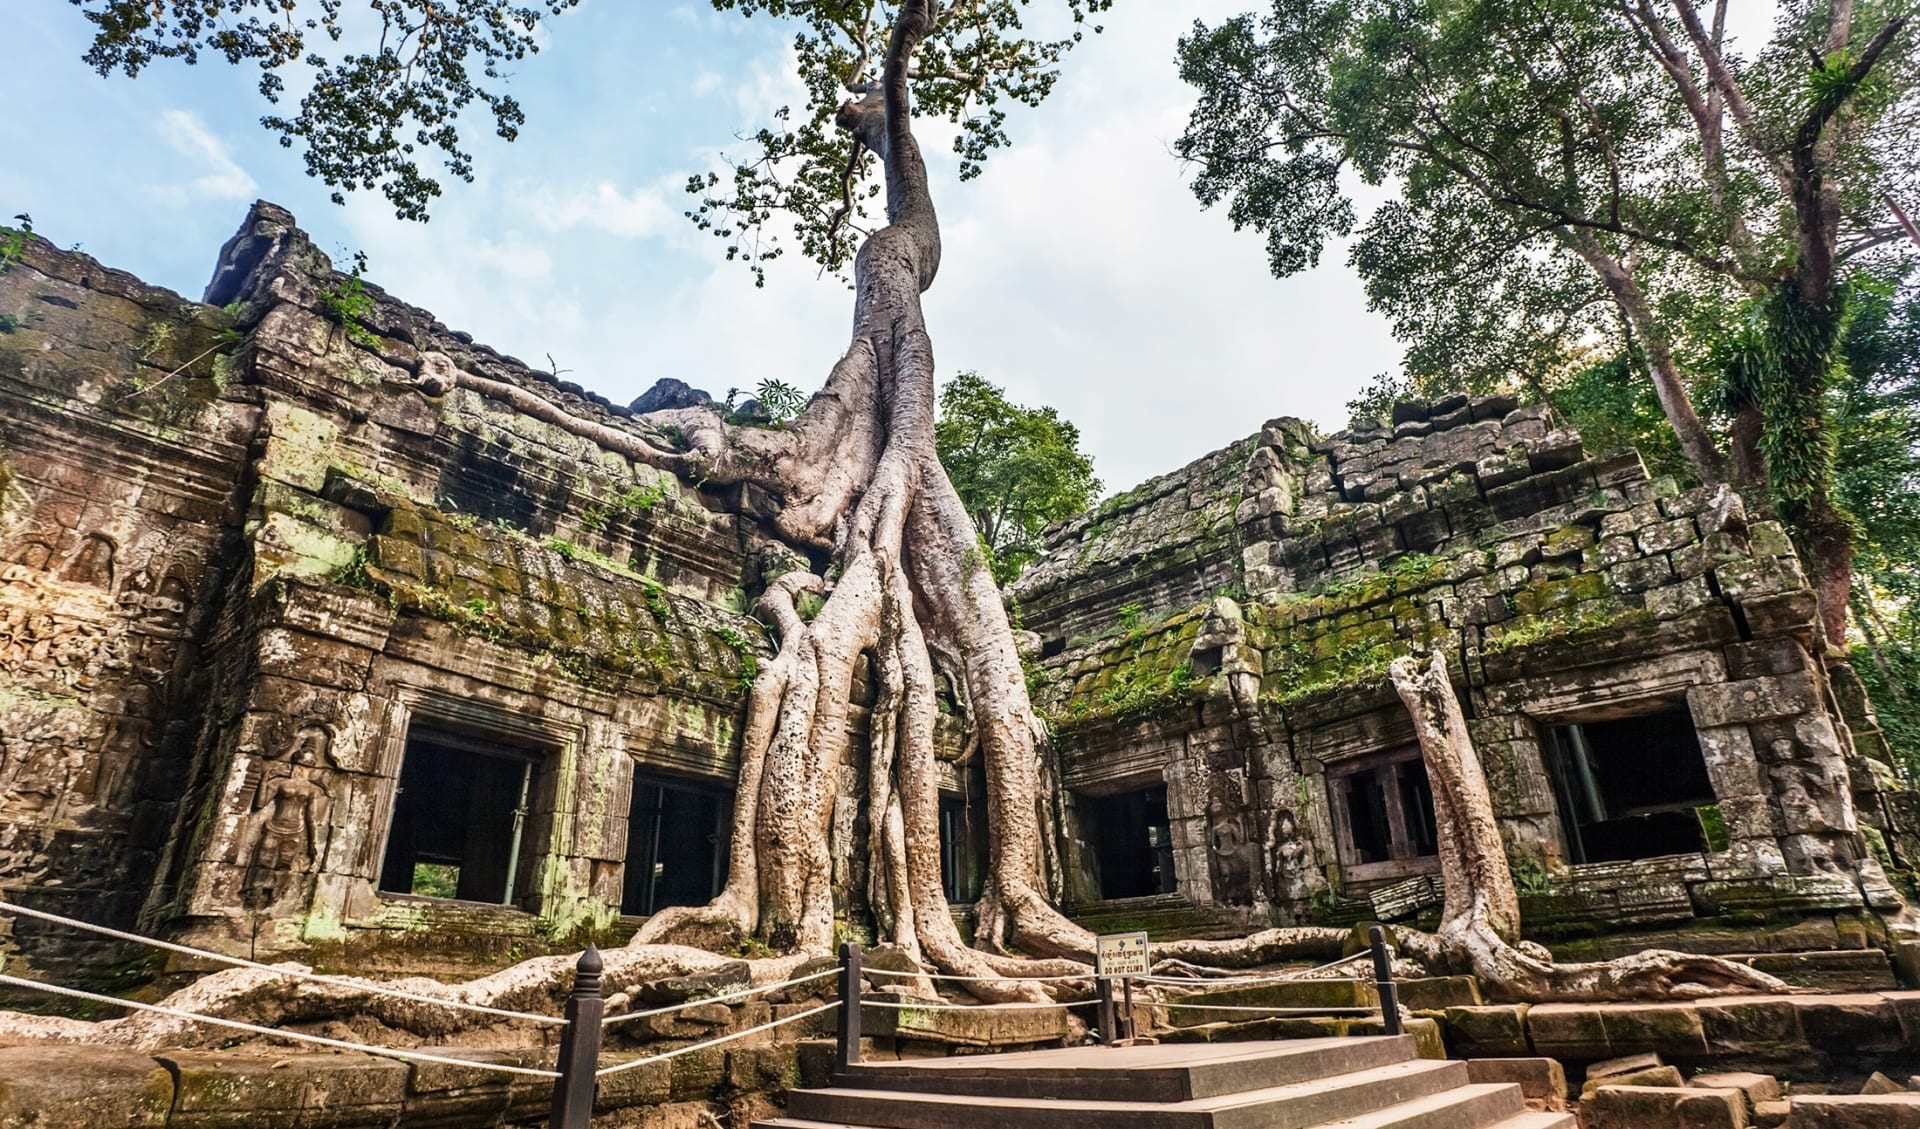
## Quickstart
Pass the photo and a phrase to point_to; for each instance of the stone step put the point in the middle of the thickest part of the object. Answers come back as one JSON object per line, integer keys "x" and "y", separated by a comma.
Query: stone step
{"x": 1465, "y": 1107}
{"x": 1527, "y": 1120}
{"x": 1538, "y": 1121}
{"x": 1112, "y": 1074}
{"x": 1297, "y": 1105}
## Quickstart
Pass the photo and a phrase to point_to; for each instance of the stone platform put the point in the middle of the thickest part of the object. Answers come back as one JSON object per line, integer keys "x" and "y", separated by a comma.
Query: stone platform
{"x": 1355, "y": 1083}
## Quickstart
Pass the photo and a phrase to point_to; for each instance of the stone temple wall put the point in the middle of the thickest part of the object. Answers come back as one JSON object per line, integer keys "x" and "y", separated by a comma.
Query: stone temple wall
{"x": 250, "y": 574}
{"x": 1224, "y": 631}
{"x": 245, "y": 558}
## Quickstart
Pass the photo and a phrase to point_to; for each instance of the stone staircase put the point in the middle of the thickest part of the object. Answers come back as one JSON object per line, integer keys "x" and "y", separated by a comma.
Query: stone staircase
{"x": 1351, "y": 1083}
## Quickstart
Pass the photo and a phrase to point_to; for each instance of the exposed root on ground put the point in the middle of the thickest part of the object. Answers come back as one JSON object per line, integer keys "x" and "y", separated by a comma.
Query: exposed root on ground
{"x": 537, "y": 987}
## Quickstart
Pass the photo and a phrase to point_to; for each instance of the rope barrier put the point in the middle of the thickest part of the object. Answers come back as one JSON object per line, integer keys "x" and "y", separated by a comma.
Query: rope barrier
{"x": 1248, "y": 981}
{"x": 1087, "y": 975}
{"x": 742, "y": 993}
{"x": 869, "y": 1002}
{"x": 631, "y": 1064}
{"x": 1271, "y": 1010}
{"x": 313, "y": 977}
{"x": 291, "y": 1036}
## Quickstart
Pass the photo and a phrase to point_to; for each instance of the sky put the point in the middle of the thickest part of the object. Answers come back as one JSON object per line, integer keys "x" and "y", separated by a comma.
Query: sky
{"x": 1078, "y": 271}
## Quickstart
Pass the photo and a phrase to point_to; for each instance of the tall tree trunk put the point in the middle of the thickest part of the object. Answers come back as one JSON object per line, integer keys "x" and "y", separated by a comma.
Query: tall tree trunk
{"x": 1669, "y": 386}
{"x": 1749, "y": 465}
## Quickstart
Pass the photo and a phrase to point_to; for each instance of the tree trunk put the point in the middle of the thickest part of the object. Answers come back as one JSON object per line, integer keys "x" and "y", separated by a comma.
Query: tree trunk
{"x": 1668, "y": 384}
{"x": 1480, "y": 914}
{"x": 1749, "y": 466}
{"x": 1828, "y": 536}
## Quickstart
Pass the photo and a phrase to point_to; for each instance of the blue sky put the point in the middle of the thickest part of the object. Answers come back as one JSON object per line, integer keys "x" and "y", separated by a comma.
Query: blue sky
{"x": 1078, "y": 271}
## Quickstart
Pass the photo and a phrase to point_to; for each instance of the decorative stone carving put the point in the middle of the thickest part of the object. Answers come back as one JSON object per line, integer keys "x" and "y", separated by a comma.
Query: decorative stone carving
{"x": 1231, "y": 854}
{"x": 284, "y": 834}
{"x": 92, "y": 564}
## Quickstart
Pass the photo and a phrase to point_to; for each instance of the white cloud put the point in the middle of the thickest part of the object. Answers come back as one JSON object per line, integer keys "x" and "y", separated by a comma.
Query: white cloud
{"x": 223, "y": 179}
{"x": 642, "y": 213}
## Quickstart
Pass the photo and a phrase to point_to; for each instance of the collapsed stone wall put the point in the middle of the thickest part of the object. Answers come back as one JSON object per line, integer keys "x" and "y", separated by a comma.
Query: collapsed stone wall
{"x": 1564, "y": 588}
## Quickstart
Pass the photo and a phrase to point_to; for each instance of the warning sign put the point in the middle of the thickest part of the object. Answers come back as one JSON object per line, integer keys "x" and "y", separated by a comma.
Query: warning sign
{"x": 1120, "y": 954}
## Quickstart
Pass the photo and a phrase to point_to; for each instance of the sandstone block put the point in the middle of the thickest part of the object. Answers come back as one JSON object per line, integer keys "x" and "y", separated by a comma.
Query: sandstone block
{"x": 1494, "y": 1030}
{"x": 1625, "y": 1064}
{"x": 1672, "y": 1029}
{"x": 643, "y": 1085}
{"x": 1657, "y": 1077}
{"x": 696, "y": 1074}
{"x": 54, "y": 1087}
{"x": 1660, "y": 1107}
{"x": 775, "y": 1067}
{"x": 247, "y": 1091}
{"x": 1857, "y": 1111}
{"x": 1753, "y": 699}
{"x": 1757, "y": 1087}
{"x": 1567, "y": 1032}
{"x": 1542, "y": 1080}
{"x": 1771, "y": 1115}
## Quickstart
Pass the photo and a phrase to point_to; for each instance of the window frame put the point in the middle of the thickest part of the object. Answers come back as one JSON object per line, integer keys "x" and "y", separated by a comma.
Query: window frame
{"x": 1553, "y": 763}
{"x": 1400, "y": 863}
{"x": 646, "y": 775}
{"x": 433, "y": 730}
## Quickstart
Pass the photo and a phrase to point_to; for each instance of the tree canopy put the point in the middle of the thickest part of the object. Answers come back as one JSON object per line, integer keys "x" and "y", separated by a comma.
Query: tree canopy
{"x": 1017, "y": 469}
{"x": 386, "y": 88}
{"x": 1575, "y": 182}
{"x": 375, "y": 116}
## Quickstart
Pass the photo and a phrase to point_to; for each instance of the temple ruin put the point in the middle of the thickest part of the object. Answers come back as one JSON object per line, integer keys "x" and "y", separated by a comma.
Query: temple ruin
{"x": 300, "y": 661}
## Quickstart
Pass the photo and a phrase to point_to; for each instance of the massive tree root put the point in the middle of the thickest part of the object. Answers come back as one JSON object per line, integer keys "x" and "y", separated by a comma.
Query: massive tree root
{"x": 534, "y": 987}
{"x": 1480, "y": 915}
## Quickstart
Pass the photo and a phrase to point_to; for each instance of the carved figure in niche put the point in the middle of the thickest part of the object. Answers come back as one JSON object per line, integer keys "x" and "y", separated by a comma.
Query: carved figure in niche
{"x": 169, "y": 604}
{"x": 128, "y": 737}
{"x": 92, "y": 564}
{"x": 282, "y": 836}
{"x": 1294, "y": 857}
{"x": 1229, "y": 854}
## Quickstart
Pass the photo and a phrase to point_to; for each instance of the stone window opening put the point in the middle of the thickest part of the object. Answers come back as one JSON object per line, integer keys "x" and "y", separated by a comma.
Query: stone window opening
{"x": 461, "y": 818}
{"x": 677, "y": 841}
{"x": 1132, "y": 842}
{"x": 1383, "y": 815}
{"x": 1629, "y": 787}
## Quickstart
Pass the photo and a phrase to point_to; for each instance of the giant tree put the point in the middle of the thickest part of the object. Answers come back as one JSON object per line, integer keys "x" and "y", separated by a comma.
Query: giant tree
{"x": 1572, "y": 178}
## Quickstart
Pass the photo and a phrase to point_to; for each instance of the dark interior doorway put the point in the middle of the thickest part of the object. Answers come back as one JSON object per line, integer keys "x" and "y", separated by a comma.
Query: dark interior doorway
{"x": 459, "y": 817}
{"x": 1630, "y": 788}
{"x": 676, "y": 845}
{"x": 1132, "y": 843}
